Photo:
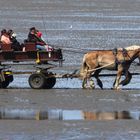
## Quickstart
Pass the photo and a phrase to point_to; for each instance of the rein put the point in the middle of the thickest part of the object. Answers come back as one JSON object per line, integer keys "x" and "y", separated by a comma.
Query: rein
{"x": 101, "y": 67}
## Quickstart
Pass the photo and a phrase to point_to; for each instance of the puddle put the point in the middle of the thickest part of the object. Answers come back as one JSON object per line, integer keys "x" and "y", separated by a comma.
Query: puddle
{"x": 31, "y": 114}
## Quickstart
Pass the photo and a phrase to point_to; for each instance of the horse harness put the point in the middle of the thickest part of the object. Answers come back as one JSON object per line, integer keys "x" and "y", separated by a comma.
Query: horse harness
{"x": 124, "y": 54}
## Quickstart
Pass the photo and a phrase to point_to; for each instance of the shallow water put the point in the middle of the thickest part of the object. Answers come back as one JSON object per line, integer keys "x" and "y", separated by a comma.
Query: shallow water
{"x": 66, "y": 115}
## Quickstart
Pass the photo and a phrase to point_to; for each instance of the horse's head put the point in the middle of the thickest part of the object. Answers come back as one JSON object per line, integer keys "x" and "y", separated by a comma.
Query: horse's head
{"x": 135, "y": 48}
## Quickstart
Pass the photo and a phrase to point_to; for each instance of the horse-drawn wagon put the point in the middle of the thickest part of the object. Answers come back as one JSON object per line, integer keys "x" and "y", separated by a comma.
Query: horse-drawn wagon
{"x": 42, "y": 78}
{"x": 39, "y": 79}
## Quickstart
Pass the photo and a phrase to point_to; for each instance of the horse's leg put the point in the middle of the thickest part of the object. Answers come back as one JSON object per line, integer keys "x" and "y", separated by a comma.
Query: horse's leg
{"x": 127, "y": 75}
{"x": 128, "y": 78}
{"x": 86, "y": 79}
{"x": 117, "y": 80}
{"x": 88, "y": 82}
{"x": 114, "y": 83}
{"x": 92, "y": 86}
{"x": 139, "y": 60}
{"x": 85, "y": 76}
{"x": 84, "y": 83}
{"x": 96, "y": 75}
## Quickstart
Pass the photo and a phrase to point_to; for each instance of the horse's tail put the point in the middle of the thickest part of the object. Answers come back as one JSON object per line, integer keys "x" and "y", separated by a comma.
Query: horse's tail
{"x": 83, "y": 69}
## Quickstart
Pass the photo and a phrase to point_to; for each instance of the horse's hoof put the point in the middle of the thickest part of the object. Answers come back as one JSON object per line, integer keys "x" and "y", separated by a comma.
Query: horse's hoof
{"x": 88, "y": 87}
{"x": 83, "y": 87}
{"x": 92, "y": 87}
{"x": 117, "y": 88}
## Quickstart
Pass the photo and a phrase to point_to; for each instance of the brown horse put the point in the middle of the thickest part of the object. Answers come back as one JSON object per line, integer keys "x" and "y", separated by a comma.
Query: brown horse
{"x": 120, "y": 60}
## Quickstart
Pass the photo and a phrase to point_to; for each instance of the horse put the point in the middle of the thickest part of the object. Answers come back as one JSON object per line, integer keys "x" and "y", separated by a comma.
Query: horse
{"x": 119, "y": 60}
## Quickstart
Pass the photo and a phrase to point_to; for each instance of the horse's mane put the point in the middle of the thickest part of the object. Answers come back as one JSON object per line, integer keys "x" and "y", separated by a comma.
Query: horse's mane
{"x": 133, "y": 47}
{"x": 129, "y": 48}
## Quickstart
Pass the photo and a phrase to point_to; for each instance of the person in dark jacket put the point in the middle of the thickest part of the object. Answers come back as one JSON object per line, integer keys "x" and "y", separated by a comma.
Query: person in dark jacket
{"x": 15, "y": 44}
{"x": 33, "y": 37}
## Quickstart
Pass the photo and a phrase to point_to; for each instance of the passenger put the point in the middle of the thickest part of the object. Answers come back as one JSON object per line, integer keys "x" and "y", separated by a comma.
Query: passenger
{"x": 35, "y": 36}
{"x": 15, "y": 44}
{"x": 39, "y": 35}
{"x": 5, "y": 39}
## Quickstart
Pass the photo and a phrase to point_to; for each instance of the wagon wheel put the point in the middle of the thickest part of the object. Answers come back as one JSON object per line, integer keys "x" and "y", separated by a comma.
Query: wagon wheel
{"x": 49, "y": 82}
{"x": 7, "y": 81}
{"x": 4, "y": 84}
{"x": 10, "y": 78}
{"x": 36, "y": 81}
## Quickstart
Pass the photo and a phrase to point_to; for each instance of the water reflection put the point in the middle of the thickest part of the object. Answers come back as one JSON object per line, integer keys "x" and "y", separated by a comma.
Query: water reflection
{"x": 31, "y": 114}
{"x": 107, "y": 115}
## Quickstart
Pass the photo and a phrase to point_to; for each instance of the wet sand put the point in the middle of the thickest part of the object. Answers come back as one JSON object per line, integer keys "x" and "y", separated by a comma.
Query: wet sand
{"x": 73, "y": 130}
{"x": 76, "y": 26}
{"x": 70, "y": 99}
{"x": 93, "y": 100}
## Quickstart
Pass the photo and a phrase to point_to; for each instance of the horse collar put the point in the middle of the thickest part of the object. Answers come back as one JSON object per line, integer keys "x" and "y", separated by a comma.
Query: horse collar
{"x": 124, "y": 52}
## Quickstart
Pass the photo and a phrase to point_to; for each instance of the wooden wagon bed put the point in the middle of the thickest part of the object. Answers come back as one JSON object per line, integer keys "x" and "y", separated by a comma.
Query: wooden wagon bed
{"x": 30, "y": 54}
